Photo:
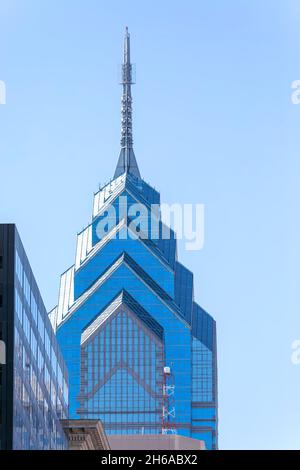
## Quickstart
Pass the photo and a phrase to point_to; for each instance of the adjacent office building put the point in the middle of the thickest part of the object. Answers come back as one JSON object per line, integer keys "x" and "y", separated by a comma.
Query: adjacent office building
{"x": 33, "y": 375}
{"x": 141, "y": 353}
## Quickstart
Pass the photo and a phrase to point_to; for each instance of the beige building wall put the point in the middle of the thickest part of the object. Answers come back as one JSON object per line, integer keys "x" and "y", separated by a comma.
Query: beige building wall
{"x": 154, "y": 442}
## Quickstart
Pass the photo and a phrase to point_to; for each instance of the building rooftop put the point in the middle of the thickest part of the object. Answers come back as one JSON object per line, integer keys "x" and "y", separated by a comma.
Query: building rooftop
{"x": 154, "y": 442}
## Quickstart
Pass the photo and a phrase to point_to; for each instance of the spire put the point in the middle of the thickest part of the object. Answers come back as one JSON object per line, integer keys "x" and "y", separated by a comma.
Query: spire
{"x": 127, "y": 162}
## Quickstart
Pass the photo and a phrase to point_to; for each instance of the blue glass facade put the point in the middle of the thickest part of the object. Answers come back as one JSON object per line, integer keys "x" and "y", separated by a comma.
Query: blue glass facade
{"x": 126, "y": 313}
{"x": 123, "y": 394}
{"x": 35, "y": 376}
{"x": 126, "y": 310}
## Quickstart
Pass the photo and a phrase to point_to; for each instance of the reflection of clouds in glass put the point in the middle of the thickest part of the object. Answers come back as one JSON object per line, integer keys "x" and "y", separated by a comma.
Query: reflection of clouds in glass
{"x": 2, "y": 353}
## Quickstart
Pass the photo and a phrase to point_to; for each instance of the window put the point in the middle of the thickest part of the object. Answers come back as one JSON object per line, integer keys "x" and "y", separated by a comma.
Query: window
{"x": 19, "y": 306}
{"x": 40, "y": 359}
{"x": 26, "y": 326}
{"x": 122, "y": 361}
{"x": 202, "y": 372}
{"x": 33, "y": 344}
{"x": 19, "y": 269}
{"x": 26, "y": 289}
{"x": 60, "y": 379}
{"x": 47, "y": 379}
{"x": 66, "y": 391}
{"x": 34, "y": 310}
{"x": 41, "y": 326}
{"x": 47, "y": 345}
{"x": 54, "y": 362}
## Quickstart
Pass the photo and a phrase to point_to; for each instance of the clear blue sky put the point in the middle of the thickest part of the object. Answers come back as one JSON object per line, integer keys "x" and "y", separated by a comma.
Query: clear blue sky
{"x": 212, "y": 111}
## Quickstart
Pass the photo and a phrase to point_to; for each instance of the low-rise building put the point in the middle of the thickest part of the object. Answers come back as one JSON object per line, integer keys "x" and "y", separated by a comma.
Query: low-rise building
{"x": 85, "y": 434}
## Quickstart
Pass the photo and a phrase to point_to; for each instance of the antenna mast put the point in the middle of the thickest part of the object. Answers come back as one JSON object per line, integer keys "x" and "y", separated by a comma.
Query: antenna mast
{"x": 168, "y": 414}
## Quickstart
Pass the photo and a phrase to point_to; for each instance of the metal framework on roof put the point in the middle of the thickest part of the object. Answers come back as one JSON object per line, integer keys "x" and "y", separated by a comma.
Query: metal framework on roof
{"x": 127, "y": 161}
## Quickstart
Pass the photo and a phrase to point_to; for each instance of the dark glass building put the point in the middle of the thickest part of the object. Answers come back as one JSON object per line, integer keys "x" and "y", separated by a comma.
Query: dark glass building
{"x": 141, "y": 353}
{"x": 33, "y": 375}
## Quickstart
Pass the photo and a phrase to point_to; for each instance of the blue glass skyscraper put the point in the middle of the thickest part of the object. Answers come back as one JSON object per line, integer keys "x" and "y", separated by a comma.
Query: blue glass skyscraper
{"x": 141, "y": 353}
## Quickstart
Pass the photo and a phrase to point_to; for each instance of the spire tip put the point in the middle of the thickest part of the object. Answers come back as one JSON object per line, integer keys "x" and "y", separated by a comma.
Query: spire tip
{"x": 127, "y": 162}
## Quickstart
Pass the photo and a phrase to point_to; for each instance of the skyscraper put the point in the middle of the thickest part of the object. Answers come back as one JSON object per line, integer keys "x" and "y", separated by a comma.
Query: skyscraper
{"x": 33, "y": 375}
{"x": 140, "y": 352}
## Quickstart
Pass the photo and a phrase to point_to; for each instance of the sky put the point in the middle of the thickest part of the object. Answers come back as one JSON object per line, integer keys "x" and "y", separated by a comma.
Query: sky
{"x": 213, "y": 124}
